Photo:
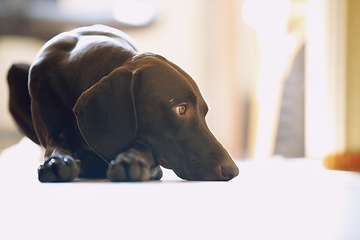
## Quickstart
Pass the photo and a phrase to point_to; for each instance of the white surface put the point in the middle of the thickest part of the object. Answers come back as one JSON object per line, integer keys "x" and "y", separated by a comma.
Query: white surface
{"x": 270, "y": 199}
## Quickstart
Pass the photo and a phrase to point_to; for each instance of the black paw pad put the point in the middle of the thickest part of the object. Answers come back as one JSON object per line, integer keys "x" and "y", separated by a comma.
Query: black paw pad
{"x": 58, "y": 169}
{"x": 128, "y": 167}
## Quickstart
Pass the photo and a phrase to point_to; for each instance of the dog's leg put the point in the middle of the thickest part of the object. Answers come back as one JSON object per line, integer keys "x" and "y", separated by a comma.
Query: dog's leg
{"x": 56, "y": 129}
{"x": 60, "y": 164}
{"x": 135, "y": 164}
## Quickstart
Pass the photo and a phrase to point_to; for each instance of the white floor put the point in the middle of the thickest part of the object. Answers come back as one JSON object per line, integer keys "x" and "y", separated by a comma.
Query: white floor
{"x": 270, "y": 199}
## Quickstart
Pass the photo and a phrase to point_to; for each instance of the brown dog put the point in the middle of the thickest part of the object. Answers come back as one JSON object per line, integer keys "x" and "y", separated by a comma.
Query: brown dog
{"x": 101, "y": 109}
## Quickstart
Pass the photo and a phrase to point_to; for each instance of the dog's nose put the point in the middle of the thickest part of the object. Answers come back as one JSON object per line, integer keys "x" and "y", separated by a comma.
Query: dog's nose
{"x": 229, "y": 171}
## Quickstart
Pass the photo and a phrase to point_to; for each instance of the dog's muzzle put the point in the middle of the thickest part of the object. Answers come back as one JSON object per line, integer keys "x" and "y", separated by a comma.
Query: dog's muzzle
{"x": 229, "y": 171}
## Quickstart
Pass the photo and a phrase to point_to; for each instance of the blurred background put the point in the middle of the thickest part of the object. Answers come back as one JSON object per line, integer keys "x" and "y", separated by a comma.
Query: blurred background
{"x": 280, "y": 76}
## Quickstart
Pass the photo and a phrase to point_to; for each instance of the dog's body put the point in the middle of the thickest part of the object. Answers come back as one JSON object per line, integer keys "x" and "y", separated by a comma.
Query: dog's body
{"x": 93, "y": 97}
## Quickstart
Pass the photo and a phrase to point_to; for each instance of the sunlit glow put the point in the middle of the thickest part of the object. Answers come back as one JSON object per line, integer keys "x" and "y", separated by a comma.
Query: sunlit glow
{"x": 134, "y": 12}
{"x": 131, "y": 12}
{"x": 269, "y": 20}
{"x": 266, "y": 15}
{"x": 325, "y": 118}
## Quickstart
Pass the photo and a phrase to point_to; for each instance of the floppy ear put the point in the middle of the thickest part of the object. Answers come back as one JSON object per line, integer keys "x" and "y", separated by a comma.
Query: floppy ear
{"x": 106, "y": 114}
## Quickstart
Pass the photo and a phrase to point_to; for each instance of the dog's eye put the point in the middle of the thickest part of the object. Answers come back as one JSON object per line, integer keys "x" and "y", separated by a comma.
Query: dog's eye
{"x": 181, "y": 110}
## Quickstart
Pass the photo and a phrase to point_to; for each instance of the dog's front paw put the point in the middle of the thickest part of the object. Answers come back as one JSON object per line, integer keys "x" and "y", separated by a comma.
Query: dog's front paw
{"x": 58, "y": 169}
{"x": 128, "y": 167}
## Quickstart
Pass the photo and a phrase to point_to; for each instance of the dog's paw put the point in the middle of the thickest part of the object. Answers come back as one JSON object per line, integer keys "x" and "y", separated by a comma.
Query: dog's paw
{"x": 156, "y": 173}
{"x": 58, "y": 169}
{"x": 128, "y": 167}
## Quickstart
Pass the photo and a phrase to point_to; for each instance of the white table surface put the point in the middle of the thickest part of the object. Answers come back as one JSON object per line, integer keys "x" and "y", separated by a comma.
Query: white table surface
{"x": 270, "y": 199}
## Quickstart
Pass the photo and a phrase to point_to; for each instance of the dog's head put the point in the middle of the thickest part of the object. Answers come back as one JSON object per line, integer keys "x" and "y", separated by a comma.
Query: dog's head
{"x": 154, "y": 101}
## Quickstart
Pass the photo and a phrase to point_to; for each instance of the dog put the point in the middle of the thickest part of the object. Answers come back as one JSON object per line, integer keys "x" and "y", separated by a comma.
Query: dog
{"x": 101, "y": 109}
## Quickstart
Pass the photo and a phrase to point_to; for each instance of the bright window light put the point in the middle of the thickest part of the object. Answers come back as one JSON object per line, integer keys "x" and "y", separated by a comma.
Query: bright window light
{"x": 269, "y": 20}
{"x": 134, "y": 12}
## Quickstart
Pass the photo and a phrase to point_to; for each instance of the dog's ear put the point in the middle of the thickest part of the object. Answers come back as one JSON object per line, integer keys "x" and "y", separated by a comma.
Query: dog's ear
{"x": 106, "y": 114}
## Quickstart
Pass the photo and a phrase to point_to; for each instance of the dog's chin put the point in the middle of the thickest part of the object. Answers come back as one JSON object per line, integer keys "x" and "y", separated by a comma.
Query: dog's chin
{"x": 163, "y": 163}
{"x": 199, "y": 176}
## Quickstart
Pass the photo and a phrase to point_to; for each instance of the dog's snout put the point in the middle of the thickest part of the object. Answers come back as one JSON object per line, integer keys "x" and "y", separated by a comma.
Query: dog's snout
{"x": 229, "y": 171}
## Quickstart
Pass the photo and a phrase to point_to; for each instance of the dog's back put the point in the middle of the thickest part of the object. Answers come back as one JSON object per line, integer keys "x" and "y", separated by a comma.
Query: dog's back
{"x": 78, "y": 59}
{"x": 65, "y": 51}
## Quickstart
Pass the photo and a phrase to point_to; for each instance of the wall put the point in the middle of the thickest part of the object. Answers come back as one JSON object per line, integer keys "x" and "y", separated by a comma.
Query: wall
{"x": 332, "y": 78}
